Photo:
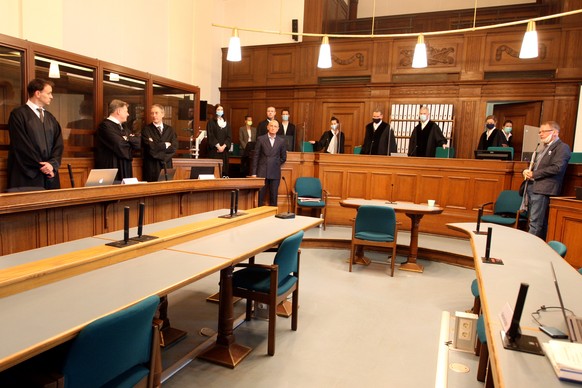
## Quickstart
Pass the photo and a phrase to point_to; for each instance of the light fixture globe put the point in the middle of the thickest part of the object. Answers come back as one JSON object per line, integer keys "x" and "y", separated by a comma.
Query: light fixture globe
{"x": 419, "y": 60}
{"x": 529, "y": 46}
{"x": 234, "y": 54}
{"x": 324, "y": 61}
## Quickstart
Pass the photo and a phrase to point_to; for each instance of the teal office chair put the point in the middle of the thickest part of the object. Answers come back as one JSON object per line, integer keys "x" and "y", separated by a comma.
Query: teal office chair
{"x": 559, "y": 247}
{"x": 118, "y": 350}
{"x": 375, "y": 226}
{"x": 306, "y": 147}
{"x": 580, "y": 271}
{"x": 358, "y": 149}
{"x": 477, "y": 299}
{"x": 483, "y": 372}
{"x": 271, "y": 284}
{"x": 309, "y": 194}
{"x": 505, "y": 210}
{"x": 575, "y": 158}
{"x": 236, "y": 149}
{"x": 445, "y": 152}
{"x": 501, "y": 149}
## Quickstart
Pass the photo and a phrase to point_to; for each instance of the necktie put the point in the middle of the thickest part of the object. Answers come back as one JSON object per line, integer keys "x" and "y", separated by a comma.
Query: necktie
{"x": 160, "y": 129}
{"x": 41, "y": 115}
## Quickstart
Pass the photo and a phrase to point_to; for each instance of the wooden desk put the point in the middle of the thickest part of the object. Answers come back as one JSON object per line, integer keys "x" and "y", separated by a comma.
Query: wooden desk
{"x": 526, "y": 259}
{"x": 413, "y": 211}
{"x": 565, "y": 225}
{"x": 65, "y": 306}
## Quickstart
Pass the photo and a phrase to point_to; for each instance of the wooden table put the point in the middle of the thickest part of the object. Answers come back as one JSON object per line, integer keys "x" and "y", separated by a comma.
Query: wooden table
{"x": 526, "y": 259}
{"x": 413, "y": 211}
{"x": 64, "y": 306}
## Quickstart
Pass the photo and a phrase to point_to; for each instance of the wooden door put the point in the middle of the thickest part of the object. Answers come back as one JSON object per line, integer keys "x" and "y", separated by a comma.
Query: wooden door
{"x": 520, "y": 113}
{"x": 350, "y": 117}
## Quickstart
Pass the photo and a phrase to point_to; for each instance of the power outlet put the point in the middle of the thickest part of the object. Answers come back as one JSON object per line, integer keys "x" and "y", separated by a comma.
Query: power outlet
{"x": 465, "y": 331}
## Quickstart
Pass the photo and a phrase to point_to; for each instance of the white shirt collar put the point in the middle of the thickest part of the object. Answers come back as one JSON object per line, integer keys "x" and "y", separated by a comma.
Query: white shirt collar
{"x": 114, "y": 120}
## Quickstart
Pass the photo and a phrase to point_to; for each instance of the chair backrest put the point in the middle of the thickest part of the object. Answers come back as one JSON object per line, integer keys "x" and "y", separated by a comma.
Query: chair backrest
{"x": 358, "y": 149}
{"x": 575, "y": 157}
{"x": 559, "y": 247}
{"x": 111, "y": 346}
{"x": 445, "y": 152}
{"x": 235, "y": 149}
{"x": 379, "y": 219}
{"x": 286, "y": 257}
{"x": 306, "y": 147}
{"x": 501, "y": 149}
{"x": 508, "y": 201}
{"x": 308, "y": 187}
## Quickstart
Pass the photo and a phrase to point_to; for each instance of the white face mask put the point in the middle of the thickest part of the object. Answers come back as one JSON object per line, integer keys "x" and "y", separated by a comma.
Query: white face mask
{"x": 423, "y": 118}
{"x": 334, "y": 126}
{"x": 548, "y": 139}
{"x": 285, "y": 117}
{"x": 219, "y": 113}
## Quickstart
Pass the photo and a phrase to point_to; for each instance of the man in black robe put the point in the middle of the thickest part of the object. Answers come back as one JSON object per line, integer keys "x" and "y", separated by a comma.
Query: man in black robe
{"x": 159, "y": 143}
{"x": 114, "y": 144}
{"x": 426, "y": 136}
{"x": 36, "y": 142}
{"x": 378, "y": 136}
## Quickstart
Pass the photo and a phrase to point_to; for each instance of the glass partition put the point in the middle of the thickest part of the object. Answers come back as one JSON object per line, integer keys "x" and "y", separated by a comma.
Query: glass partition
{"x": 179, "y": 113}
{"x": 11, "y": 70}
{"x": 73, "y": 102}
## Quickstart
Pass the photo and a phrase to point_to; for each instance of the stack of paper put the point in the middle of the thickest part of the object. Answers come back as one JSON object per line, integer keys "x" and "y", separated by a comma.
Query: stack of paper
{"x": 566, "y": 359}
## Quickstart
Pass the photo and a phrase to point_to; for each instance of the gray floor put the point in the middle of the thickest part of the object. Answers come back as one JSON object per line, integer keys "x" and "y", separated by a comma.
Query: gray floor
{"x": 360, "y": 329}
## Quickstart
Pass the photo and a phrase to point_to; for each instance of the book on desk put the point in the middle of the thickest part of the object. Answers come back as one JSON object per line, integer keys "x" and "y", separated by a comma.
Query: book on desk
{"x": 566, "y": 359}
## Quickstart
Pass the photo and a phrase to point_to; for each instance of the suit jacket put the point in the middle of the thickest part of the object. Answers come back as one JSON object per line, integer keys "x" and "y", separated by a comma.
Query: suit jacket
{"x": 155, "y": 153}
{"x": 217, "y": 135}
{"x": 31, "y": 142}
{"x": 425, "y": 143}
{"x": 549, "y": 175}
{"x": 268, "y": 160}
{"x": 376, "y": 142}
{"x": 112, "y": 150}
{"x": 262, "y": 128}
{"x": 290, "y": 135}
{"x": 496, "y": 139}
{"x": 243, "y": 136}
{"x": 323, "y": 143}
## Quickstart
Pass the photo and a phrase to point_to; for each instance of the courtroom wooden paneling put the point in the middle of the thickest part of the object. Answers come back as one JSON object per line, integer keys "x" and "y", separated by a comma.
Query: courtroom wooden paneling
{"x": 565, "y": 225}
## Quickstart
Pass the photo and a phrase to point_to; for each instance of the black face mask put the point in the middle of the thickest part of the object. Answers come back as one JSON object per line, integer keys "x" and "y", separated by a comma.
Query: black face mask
{"x": 376, "y": 120}
{"x": 490, "y": 126}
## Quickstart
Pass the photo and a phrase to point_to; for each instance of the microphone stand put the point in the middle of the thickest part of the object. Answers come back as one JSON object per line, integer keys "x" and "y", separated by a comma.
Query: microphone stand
{"x": 71, "y": 175}
{"x": 126, "y": 241}
{"x": 391, "y": 193}
{"x": 141, "y": 237}
{"x": 286, "y": 215}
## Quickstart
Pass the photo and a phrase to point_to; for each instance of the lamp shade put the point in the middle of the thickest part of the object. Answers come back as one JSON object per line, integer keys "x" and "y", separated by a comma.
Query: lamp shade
{"x": 234, "y": 54}
{"x": 419, "y": 60}
{"x": 54, "y": 70}
{"x": 529, "y": 46}
{"x": 324, "y": 61}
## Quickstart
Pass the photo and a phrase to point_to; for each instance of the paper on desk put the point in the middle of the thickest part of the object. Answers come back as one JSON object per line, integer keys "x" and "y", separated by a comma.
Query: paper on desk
{"x": 567, "y": 355}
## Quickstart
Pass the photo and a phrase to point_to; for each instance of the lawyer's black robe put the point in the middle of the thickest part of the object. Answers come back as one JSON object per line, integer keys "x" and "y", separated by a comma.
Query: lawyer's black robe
{"x": 32, "y": 142}
{"x": 155, "y": 153}
{"x": 112, "y": 150}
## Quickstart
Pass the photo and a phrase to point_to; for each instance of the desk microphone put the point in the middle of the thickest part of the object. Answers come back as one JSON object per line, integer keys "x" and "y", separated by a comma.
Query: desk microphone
{"x": 71, "y": 175}
{"x": 236, "y": 202}
{"x": 141, "y": 237}
{"x": 286, "y": 215}
{"x": 391, "y": 194}
{"x": 479, "y": 215}
{"x": 233, "y": 206}
{"x": 165, "y": 171}
{"x": 488, "y": 259}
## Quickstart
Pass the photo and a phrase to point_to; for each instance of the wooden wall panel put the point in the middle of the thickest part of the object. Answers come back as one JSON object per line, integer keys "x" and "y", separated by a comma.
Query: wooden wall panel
{"x": 430, "y": 187}
{"x": 332, "y": 181}
{"x": 18, "y": 233}
{"x": 379, "y": 185}
{"x": 443, "y": 55}
{"x": 483, "y": 190}
{"x": 356, "y": 184}
{"x": 405, "y": 187}
{"x": 456, "y": 192}
{"x": 565, "y": 225}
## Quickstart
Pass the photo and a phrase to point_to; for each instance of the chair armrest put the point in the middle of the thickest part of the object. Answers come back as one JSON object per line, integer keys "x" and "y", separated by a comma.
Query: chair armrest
{"x": 325, "y": 194}
{"x": 486, "y": 204}
{"x": 269, "y": 267}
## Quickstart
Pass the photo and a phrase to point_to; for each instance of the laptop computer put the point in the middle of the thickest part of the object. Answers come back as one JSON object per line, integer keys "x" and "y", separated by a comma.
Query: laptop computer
{"x": 573, "y": 323}
{"x": 201, "y": 172}
{"x": 170, "y": 171}
{"x": 101, "y": 177}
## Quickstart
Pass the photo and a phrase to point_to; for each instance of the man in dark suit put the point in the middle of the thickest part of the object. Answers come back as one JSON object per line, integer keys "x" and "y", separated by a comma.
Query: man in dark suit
{"x": 262, "y": 127}
{"x": 114, "y": 144}
{"x": 159, "y": 143}
{"x": 36, "y": 142}
{"x": 287, "y": 130}
{"x": 270, "y": 154}
{"x": 546, "y": 176}
{"x": 378, "y": 136}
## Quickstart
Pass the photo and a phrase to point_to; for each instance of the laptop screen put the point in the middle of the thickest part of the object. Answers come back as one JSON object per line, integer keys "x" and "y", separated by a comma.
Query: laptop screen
{"x": 101, "y": 177}
{"x": 561, "y": 303}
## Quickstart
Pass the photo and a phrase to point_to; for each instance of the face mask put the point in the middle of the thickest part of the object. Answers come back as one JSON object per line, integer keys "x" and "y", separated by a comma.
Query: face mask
{"x": 219, "y": 113}
{"x": 548, "y": 139}
{"x": 508, "y": 129}
{"x": 490, "y": 126}
{"x": 376, "y": 120}
{"x": 249, "y": 123}
{"x": 423, "y": 118}
{"x": 285, "y": 117}
{"x": 334, "y": 126}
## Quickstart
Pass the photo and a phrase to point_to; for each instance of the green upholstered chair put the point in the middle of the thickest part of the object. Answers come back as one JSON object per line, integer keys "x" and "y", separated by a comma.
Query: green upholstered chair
{"x": 306, "y": 147}
{"x": 575, "y": 157}
{"x": 308, "y": 194}
{"x": 118, "y": 350}
{"x": 505, "y": 209}
{"x": 358, "y": 149}
{"x": 580, "y": 271}
{"x": 559, "y": 247}
{"x": 236, "y": 149}
{"x": 271, "y": 284}
{"x": 375, "y": 226}
{"x": 501, "y": 149}
{"x": 477, "y": 299}
{"x": 483, "y": 372}
{"x": 441, "y": 152}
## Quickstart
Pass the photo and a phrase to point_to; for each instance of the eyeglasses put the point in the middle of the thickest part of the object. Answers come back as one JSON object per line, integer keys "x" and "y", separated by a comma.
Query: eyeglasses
{"x": 545, "y": 130}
